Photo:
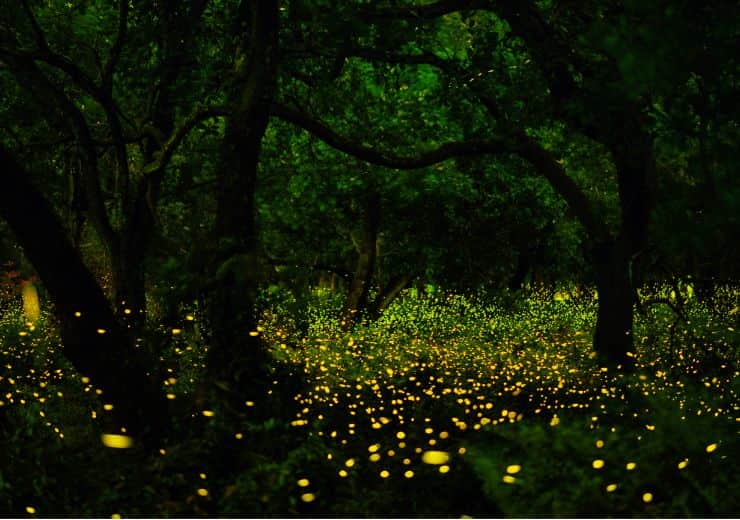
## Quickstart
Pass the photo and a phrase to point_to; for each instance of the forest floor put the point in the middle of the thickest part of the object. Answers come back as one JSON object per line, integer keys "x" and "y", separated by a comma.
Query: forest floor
{"x": 446, "y": 406}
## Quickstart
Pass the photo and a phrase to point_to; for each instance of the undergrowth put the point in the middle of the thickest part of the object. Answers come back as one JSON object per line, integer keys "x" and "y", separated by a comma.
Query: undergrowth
{"x": 447, "y": 405}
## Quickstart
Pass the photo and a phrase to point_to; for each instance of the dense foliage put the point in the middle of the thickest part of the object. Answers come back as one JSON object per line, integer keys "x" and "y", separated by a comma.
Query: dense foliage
{"x": 449, "y": 404}
{"x": 291, "y": 257}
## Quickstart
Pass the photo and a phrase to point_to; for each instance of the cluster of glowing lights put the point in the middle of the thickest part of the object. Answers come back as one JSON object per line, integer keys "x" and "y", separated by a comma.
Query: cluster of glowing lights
{"x": 377, "y": 392}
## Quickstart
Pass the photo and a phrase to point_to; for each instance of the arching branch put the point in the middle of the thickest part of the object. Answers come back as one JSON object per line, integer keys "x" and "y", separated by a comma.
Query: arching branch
{"x": 382, "y": 158}
{"x": 518, "y": 143}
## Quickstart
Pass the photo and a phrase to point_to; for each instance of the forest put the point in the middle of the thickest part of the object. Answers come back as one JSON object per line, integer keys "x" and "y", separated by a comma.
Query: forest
{"x": 369, "y": 258}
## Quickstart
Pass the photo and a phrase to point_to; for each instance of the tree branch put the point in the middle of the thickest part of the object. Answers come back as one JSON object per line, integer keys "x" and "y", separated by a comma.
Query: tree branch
{"x": 518, "y": 143}
{"x": 382, "y": 158}
{"x": 45, "y": 53}
{"x": 30, "y": 76}
{"x": 198, "y": 115}
{"x": 115, "y": 50}
{"x": 526, "y": 147}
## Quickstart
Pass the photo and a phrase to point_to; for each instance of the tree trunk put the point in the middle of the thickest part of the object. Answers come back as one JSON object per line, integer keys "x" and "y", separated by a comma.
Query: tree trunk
{"x": 523, "y": 265}
{"x": 237, "y": 358}
{"x": 613, "y": 335}
{"x": 389, "y": 293}
{"x": 632, "y": 152}
{"x": 93, "y": 339}
{"x": 366, "y": 252}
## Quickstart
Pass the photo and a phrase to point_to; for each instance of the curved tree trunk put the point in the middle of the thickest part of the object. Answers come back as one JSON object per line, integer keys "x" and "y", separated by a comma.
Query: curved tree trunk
{"x": 93, "y": 339}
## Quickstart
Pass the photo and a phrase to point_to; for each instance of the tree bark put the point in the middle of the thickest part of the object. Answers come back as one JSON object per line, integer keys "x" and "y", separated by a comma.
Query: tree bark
{"x": 613, "y": 334}
{"x": 365, "y": 267}
{"x": 93, "y": 339}
{"x": 236, "y": 358}
{"x": 389, "y": 293}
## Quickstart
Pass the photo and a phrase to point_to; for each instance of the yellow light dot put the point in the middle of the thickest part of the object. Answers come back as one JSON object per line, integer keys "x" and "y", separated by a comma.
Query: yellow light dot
{"x": 85, "y": 379}
{"x": 513, "y": 469}
{"x": 101, "y": 331}
{"x": 249, "y": 403}
{"x": 78, "y": 314}
{"x": 508, "y": 479}
{"x": 630, "y": 466}
{"x": 375, "y": 457}
{"x": 373, "y": 448}
{"x": 342, "y": 473}
{"x": 239, "y": 436}
{"x": 171, "y": 396}
{"x": 175, "y": 332}
{"x": 108, "y": 407}
{"x": 384, "y": 474}
{"x": 400, "y": 435}
{"x": 597, "y": 464}
{"x": 435, "y": 457}
{"x": 115, "y": 516}
{"x": 308, "y": 497}
{"x": 647, "y": 497}
{"x": 350, "y": 463}
{"x": 112, "y": 440}
{"x": 30, "y": 510}
{"x": 554, "y": 421}
{"x": 444, "y": 469}
{"x": 208, "y": 413}
{"x": 683, "y": 464}
{"x": 611, "y": 488}
{"x": 599, "y": 443}
{"x": 203, "y": 492}
{"x": 711, "y": 447}
{"x": 408, "y": 473}
{"x": 303, "y": 482}
{"x": 254, "y": 333}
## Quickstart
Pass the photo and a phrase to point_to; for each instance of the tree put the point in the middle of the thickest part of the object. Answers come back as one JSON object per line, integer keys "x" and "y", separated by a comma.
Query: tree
{"x": 93, "y": 339}
{"x": 591, "y": 89}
